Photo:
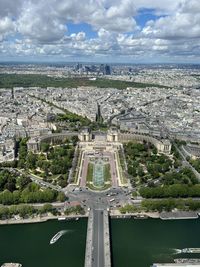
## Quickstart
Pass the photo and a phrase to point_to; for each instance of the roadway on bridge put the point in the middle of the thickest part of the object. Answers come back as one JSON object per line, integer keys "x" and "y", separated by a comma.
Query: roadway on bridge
{"x": 98, "y": 239}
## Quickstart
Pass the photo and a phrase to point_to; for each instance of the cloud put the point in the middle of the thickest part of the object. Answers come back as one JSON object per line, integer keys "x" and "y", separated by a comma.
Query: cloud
{"x": 99, "y": 14}
{"x": 39, "y": 28}
{"x": 184, "y": 23}
{"x": 46, "y": 20}
{"x": 7, "y": 26}
{"x": 80, "y": 36}
{"x": 39, "y": 22}
{"x": 10, "y": 8}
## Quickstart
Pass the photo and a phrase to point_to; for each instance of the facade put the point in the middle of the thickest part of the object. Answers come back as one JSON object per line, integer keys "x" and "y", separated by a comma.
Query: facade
{"x": 7, "y": 150}
{"x": 112, "y": 136}
{"x": 163, "y": 145}
{"x": 85, "y": 135}
{"x": 33, "y": 145}
{"x": 192, "y": 150}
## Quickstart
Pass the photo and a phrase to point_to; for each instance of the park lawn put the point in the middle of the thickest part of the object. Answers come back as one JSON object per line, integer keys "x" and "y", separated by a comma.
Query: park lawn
{"x": 123, "y": 178}
{"x": 90, "y": 173}
{"x": 107, "y": 174}
{"x": 76, "y": 172}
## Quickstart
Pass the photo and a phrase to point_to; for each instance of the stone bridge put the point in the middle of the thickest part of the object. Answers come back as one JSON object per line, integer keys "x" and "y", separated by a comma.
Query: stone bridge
{"x": 98, "y": 240}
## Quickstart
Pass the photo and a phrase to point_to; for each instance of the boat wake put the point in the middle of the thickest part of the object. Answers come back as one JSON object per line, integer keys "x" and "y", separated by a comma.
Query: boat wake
{"x": 177, "y": 251}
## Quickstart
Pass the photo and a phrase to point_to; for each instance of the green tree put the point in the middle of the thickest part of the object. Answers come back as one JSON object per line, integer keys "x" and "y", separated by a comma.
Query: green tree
{"x": 61, "y": 197}
{"x": 45, "y": 147}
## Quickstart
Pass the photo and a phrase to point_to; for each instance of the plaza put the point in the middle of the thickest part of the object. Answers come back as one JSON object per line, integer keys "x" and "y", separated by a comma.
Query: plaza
{"x": 99, "y": 165}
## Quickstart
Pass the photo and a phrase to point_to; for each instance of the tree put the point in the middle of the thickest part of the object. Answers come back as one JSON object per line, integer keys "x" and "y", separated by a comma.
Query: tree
{"x": 25, "y": 210}
{"x": 154, "y": 150}
{"x": 61, "y": 197}
{"x": 140, "y": 171}
{"x": 23, "y": 181}
{"x": 45, "y": 147}
{"x": 4, "y": 213}
{"x": 31, "y": 160}
{"x": 46, "y": 208}
{"x": 6, "y": 197}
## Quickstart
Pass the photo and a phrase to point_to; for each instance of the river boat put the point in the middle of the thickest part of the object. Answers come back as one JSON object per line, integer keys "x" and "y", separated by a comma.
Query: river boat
{"x": 11, "y": 265}
{"x": 186, "y": 260}
{"x": 140, "y": 216}
{"x": 68, "y": 218}
{"x": 190, "y": 250}
{"x": 57, "y": 236}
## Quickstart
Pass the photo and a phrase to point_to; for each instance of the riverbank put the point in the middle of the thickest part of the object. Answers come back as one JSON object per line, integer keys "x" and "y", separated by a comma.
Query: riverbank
{"x": 174, "y": 215}
{"x": 118, "y": 214}
{"x": 39, "y": 219}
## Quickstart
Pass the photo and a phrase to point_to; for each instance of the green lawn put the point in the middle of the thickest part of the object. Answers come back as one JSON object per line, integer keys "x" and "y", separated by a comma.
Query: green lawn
{"x": 90, "y": 172}
{"x": 121, "y": 172}
{"x": 107, "y": 174}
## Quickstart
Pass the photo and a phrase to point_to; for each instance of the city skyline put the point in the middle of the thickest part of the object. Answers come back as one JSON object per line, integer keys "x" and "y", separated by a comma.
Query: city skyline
{"x": 100, "y": 31}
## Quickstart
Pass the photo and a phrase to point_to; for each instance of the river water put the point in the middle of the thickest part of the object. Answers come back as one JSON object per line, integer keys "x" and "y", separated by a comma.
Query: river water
{"x": 29, "y": 244}
{"x": 140, "y": 243}
{"x": 135, "y": 243}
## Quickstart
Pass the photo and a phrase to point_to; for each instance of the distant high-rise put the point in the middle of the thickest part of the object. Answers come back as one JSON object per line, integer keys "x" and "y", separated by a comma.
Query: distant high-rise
{"x": 105, "y": 69}
{"x": 78, "y": 66}
{"x": 12, "y": 93}
{"x": 102, "y": 68}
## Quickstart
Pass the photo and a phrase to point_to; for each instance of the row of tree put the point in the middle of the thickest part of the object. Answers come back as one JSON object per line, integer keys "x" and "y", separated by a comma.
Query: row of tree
{"x": 75, "y": 210}
{"x": 174, "y": 191}
{"x": 196, "y": 164}
{"x": 170, "y": 204}
{"x": 27, "y": 196}
{"x": 24, "y": 210}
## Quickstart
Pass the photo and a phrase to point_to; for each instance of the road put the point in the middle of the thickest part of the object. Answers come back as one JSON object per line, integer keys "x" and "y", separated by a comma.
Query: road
{"x": 187, "y": 164}
{"x": 98, "y": 239}
{"x": 100, "y": 200}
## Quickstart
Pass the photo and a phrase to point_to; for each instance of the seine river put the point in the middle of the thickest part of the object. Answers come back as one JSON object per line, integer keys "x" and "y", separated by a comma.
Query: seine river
{"x": 135, "y": 243}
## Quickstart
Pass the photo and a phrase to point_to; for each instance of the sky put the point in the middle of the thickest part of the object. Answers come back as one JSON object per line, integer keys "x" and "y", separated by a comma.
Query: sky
{"x": 121, "y": 31}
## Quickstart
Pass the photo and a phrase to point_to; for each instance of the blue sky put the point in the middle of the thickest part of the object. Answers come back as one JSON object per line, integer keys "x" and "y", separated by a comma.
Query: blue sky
{"x": 81, "y": 27}
{"x": 144, "y": 15}
{"x": 100, "y": 30}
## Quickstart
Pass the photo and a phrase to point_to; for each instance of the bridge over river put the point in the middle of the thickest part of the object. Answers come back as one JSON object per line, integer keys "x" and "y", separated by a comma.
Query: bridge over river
{"x": 98, "y": 240}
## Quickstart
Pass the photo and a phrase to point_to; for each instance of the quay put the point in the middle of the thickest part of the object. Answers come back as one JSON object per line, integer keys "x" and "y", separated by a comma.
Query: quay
{"x": 178, "y": 215}
{"x": 98, "y": 240}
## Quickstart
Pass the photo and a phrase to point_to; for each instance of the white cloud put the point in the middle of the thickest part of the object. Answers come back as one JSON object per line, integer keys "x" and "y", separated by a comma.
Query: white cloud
{"x": 41, "y": 28}
{"x": 184, "y": 23}
{"x": 80, "y": 36}
{"x": 6, "y": 25}
{"x": 40, "y": 23}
